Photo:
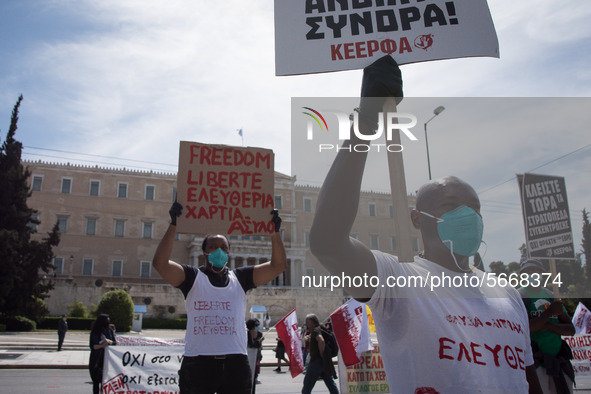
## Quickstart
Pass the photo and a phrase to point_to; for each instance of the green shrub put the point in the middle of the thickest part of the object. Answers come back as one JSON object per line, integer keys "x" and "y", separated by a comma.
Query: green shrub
{"x": 77, "y": 309}
{"x": 20, "y": 323}
{"x": 119, "y": 306}
{"x": 161, "y": 323}
{"x": 74, "y": 323}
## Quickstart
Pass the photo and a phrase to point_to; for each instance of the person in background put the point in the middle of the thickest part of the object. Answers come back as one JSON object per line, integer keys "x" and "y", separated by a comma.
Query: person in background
{"x": 280, "y": 354}
{"x": 101, "y": 336}
{"x": 548, "y": 321}
{"x": 255, "y": 340}
{"x": 62, "y": 328}
{"x": 318, "y": 367}
{"x": 305, "y": 339}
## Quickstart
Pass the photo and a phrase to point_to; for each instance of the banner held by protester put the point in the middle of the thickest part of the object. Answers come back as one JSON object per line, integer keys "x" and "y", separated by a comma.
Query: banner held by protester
{"x": 288, "y": 331}
{"x": 314, "y": 36}
{"x": 225, "y": 189}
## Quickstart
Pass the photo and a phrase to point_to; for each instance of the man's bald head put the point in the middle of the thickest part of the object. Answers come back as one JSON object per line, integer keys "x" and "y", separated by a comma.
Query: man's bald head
{"x": 446, "y": 194}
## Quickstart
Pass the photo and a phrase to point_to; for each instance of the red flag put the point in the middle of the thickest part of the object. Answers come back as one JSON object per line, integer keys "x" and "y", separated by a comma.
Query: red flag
{"x": 287, "y": 330}
{"x": 351, "y": 330}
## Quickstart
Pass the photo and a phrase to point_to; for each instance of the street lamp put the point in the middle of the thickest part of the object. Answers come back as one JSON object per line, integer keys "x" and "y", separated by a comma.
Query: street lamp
{"x": 436, "y": 112}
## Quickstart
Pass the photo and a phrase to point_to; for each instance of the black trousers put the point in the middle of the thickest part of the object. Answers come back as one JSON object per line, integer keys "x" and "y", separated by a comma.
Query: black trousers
{"x": 228, "y": 374}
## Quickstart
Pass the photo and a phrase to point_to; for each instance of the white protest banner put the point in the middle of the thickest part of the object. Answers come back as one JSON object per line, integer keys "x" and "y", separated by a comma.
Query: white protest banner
{"x": 225, "y": 189}
{"x": 149, "y": 369}
{"x": 582, "y": 320}
{"x": 581, "y": 348}
{"x": 368, "y": 376}
{"x": 313, "y": 36}
{"x": 351, "y": 330}
{"x": 546, "y": 217}
{"x": 288, "y": 331}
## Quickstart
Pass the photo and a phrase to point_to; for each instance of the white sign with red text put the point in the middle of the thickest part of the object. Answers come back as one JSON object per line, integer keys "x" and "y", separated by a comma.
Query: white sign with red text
{"x": 313, "y": 36}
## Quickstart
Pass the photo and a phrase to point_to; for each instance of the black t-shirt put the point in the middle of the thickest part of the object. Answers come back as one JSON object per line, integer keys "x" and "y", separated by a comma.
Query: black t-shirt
{"x": 244, "y": 275}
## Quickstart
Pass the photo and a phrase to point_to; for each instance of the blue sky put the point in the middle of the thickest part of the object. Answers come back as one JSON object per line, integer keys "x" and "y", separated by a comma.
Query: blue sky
{"x": 130, "y": 79}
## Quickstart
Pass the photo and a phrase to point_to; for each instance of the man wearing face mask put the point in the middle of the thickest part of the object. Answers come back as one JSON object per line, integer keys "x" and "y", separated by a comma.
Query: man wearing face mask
{"x": 449, "y": 338}
{"x": 215, "y": 359}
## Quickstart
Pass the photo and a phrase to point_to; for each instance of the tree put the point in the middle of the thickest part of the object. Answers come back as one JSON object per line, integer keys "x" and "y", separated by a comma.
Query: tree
{"x": 119, "y": 306}
{"x": 21, "y": 257}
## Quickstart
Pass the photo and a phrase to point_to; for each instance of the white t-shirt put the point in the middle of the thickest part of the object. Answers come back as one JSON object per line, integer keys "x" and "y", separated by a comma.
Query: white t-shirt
{"x": 452, "y": 340}
{"x": 215, "y": 318}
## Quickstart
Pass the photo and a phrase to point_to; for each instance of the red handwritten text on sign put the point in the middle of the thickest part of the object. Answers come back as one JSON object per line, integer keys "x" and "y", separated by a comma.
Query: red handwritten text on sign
{"x": 225, "y": 189}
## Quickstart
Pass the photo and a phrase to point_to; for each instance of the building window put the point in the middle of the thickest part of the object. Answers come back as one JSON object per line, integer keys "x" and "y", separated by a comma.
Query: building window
{"x": 66, "y": 185}
{"x": 150, "y": 190}
{"x": 95, "y": 187}
{"x": 87, "y": 265}
{"x": 372, "y": 209}
{"x": 307, "y": 204}
{"x": 393, "y": 243}
{"x": 391, "y": 209}
{"x": 147, "y": 230}
{"x": 122, "y": 190}
{"x": 119, "y": 228}
{"x": 278, "y": 202}
{"x": 306, "y": 238}
{"x": 90, "y": 226}
{"x": 145, "y": 268}
{"x": 62, "y": 222}
{"x": 373, "y": 241}
{"x": 37, "y": 182}
{"x": 415, "y": 244}
{"x": 116, "y": 268}
{"x": 282, "y": 234}
{"x": 58, "y": 265}
{"x": 173, "y": 193}
{"x": 34, "y": 221}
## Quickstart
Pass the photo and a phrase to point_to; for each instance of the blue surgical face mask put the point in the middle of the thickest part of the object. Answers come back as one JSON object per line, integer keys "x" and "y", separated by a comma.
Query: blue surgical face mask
{"x": 257, "y": 328}
{"x": 460, "y": 230}
{"x": 218, "y": 258}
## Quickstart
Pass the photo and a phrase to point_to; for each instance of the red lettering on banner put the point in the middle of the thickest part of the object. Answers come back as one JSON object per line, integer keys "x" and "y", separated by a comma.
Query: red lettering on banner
{"x": 442, "y": 347}
{"x": 363, "y": 49}
{"x": 464, "y": 353}
{"x": 471, "y": 353}
{"x": 225, "y": 156}
{"x": 476, "y": 354}
{"x": 495, "y": 353}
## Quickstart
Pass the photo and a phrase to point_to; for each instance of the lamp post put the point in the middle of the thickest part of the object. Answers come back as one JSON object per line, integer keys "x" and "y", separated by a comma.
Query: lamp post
{"x": 436, "y": 112}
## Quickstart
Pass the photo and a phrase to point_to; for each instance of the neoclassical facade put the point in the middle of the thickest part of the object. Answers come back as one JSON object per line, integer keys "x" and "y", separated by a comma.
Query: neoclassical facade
{"x": 111, "y": 221}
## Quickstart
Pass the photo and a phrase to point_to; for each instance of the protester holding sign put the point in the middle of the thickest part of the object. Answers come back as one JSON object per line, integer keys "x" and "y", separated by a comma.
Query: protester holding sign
{"x": 548, "y": 321}
{"x": 215, "y": 358}
{"x": 450, "y": 338}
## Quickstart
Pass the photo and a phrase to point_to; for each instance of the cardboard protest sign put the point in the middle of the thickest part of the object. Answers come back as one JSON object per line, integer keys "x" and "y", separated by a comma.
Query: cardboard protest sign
{"x": 225, "y": 189}
{"x": 546, "y": 217}
{"x": 314, "y": 36}
{"x": 149, "y": 366}
{"x": 368, "y": 376}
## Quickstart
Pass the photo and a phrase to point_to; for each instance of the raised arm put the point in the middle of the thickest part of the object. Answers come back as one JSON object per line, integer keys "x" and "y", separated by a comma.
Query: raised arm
{"x": 338, "y": 200}
{"x": 173, "y": 273}
{"x": 266, "y": 272}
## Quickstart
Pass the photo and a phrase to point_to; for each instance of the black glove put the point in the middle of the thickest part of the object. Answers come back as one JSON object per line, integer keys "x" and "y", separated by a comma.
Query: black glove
{"x": 381, "y": 79}
{"x": 276, "y": 220}
{"x": 175, "y": 211}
